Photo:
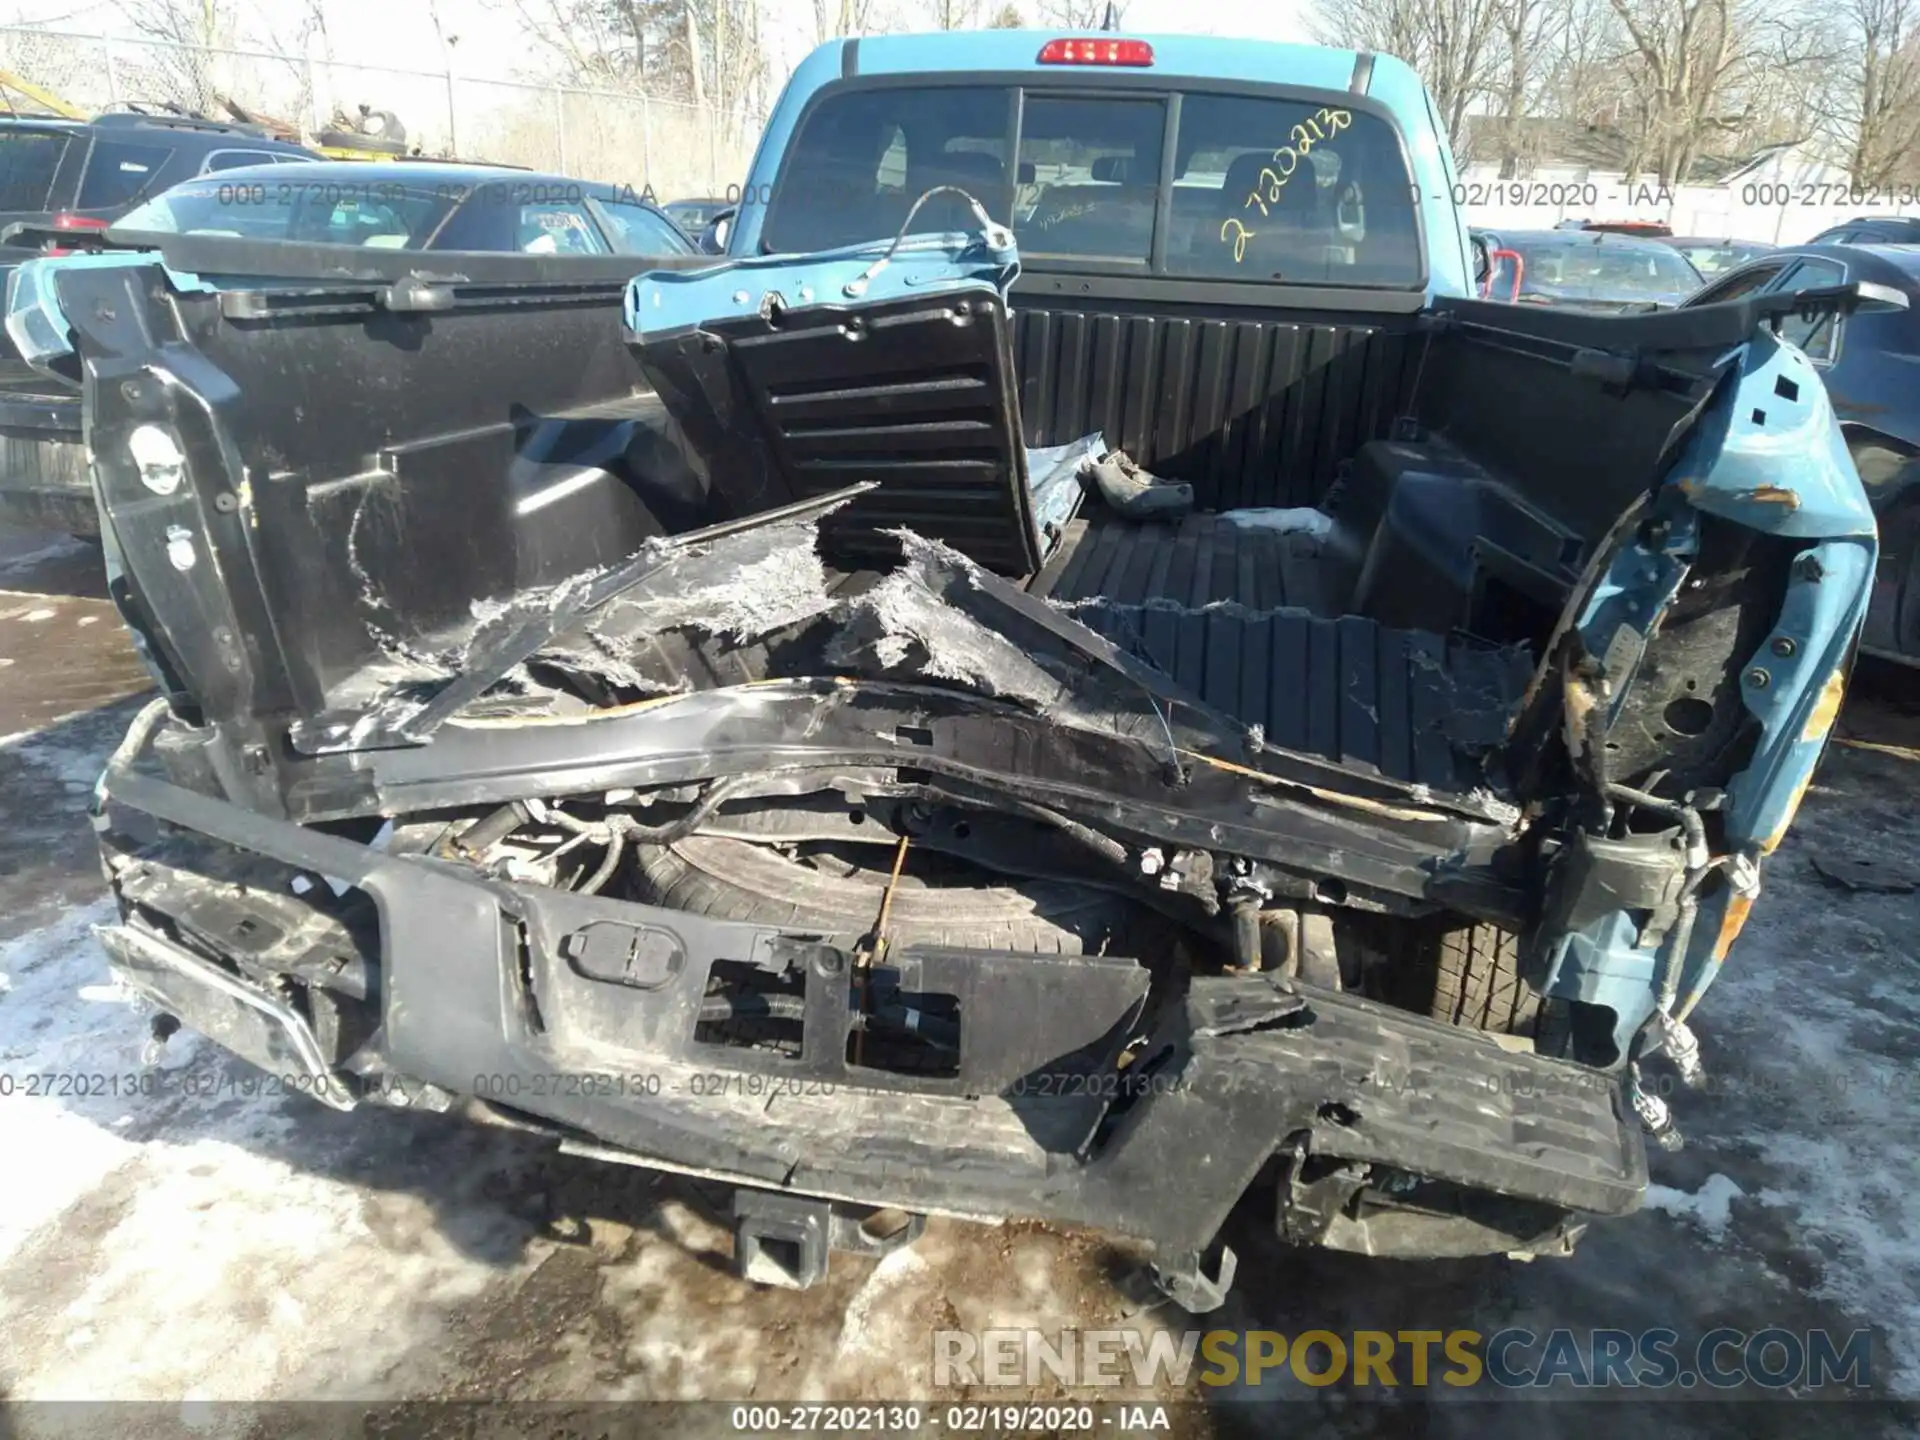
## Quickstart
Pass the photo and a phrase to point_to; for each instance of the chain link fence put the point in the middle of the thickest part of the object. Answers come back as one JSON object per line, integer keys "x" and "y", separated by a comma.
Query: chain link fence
{"x": 611, "y": 136}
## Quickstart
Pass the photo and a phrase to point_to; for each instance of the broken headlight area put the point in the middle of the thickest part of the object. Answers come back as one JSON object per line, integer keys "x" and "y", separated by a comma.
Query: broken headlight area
{"x": 277, "y": 963}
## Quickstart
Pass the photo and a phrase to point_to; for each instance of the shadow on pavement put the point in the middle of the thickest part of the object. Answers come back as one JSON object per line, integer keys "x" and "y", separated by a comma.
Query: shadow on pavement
{"x": 35, "y": 562}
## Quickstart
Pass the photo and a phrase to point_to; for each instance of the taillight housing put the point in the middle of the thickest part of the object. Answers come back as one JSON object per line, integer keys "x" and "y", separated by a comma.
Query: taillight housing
{"x": 1096, "y": 52}
{"x": 67, "y": 220}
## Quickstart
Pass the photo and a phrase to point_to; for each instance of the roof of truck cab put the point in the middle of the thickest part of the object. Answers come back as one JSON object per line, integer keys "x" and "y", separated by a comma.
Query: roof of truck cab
{"x": 1211, "y": 57}
{"x": 1183, "y": 56}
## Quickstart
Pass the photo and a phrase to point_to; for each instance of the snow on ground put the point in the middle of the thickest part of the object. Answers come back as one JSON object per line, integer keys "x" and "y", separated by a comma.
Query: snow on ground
{"x": 294, "y": 1251}
{"x": 1812, "y": 1039}
{"x": 54, "y": 1014}
{"x": 149, "y": 1198}
{"x": 1712, "y": 1208}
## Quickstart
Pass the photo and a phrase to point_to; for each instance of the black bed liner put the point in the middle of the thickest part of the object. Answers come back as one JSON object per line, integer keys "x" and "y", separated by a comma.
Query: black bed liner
{"x": 1227, "y": 610}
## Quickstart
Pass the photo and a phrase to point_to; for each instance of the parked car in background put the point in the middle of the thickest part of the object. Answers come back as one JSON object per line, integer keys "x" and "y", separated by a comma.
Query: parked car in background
{"x": 415, "y": 205}
{"x": 1586, "y": 270}
{"x": 1715, "y": 257}
{"x": 59, "y": 176}
{"x": 1657, "y": 229}
{"x": 713, "y": 239}
{"x": 1870, "y": 364}
{"x": 1871, "y": 230}
{"x": 85, "y": 174}
{"x": 694, "y": 216}
{"x": 399, "y": 205}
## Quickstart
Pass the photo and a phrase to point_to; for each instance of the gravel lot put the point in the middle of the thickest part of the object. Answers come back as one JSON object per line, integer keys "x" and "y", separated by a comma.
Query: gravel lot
{"x": 249, "y": 1249}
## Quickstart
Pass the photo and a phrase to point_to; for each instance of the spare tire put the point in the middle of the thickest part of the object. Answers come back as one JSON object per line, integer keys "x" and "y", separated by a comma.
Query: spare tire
{"x": 944, "y": 904}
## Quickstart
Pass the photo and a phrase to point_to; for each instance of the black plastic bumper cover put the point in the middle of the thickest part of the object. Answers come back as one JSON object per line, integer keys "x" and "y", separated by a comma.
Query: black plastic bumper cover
{"x": 486, "y": 988}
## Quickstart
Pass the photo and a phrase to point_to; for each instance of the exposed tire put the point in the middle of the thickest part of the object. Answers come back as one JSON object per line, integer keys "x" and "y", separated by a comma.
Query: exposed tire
{"x": 1893, "y": 622}
{"x": 1477, "y": 982}
{"x": 737, "y": 880}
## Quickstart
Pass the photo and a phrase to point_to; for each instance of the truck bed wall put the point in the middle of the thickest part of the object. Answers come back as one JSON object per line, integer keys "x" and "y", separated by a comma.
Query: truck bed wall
{"x": 1511, "y": 387}
{"x": 402, "y": 471}
{"x": 1249, "y": 411}
{"x": 398, "y": 468}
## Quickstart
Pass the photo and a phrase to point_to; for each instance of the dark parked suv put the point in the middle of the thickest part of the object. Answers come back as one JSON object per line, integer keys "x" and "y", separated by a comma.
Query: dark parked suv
{"x": 85, "y": 174}
{"x": 1868, "y": 230}
{"x": 82, "y": 175}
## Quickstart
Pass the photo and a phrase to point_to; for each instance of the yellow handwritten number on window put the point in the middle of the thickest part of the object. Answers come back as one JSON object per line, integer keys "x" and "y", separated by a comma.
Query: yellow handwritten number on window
{"x": 1239, "y": 237}
{"x": 1274, "y": 178}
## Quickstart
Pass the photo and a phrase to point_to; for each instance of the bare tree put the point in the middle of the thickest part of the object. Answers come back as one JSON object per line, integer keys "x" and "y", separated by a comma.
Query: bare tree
{"x": 184, "y": 22}
{"x": 182, "y": 71}
{"x": 698, "y": 52}
{"x": 1007, "y": 18}
{"x": 833, "y": 18}
{"x": 1658, "y": 85}
{"x": 1583, "y": 78}
{"x": 1527, "y": 29}
{"x": 1450, "y": 42}
{"x": 592, "y": 44}
{"x": 1076, "y": 14}
{"x": 1699, "y": 73}
{"x": 1881, "y": 105}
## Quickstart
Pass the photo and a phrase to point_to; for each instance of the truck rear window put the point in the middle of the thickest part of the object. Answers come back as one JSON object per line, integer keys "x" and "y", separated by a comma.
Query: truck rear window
{"x": 1263, "y": 189}
{"x": 28, "y": 159}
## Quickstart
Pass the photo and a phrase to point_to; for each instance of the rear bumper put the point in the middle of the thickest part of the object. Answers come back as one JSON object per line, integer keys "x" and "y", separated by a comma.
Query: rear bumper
{"x": 505, "y": 993}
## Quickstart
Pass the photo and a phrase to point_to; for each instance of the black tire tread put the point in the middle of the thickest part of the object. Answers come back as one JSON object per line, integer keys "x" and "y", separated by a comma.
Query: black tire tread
{"x": 1478, "y": 983}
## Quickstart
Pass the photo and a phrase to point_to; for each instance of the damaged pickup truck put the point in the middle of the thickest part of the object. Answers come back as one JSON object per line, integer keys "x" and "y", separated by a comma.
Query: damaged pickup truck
{"x": 1076, "y": 675}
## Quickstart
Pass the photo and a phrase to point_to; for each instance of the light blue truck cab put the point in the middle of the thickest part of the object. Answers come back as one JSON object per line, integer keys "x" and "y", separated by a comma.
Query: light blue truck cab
{"x": 1214, "y": 68}
{"x": 1080, "y": 658}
